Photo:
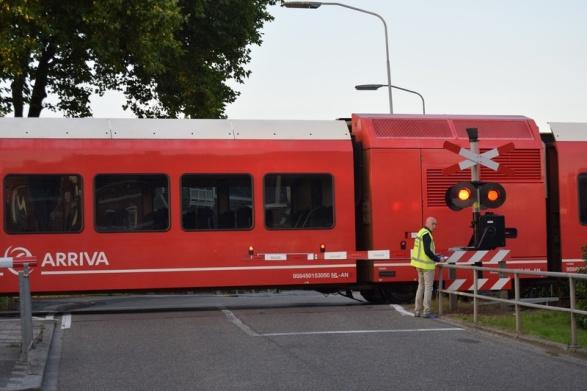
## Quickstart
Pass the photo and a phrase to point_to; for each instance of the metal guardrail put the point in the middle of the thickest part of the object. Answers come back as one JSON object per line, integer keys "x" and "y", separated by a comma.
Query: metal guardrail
{"x": 572, "y": 277}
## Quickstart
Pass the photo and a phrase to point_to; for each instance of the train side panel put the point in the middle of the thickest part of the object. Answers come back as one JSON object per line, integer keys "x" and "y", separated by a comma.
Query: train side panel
{"x": 176, "y": 257}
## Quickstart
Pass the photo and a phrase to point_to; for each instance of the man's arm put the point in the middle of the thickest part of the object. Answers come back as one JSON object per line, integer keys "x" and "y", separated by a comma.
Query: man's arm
{"x": 427, "y": 242}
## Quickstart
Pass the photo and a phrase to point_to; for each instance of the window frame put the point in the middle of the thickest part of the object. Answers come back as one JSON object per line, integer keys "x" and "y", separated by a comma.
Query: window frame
{"x": 252, "y": 183}
{"x": 169, "y": 196}
{"x": 333, "y": 187}
{"x": 582, "y": 177}
{"x": 81, "y": 208}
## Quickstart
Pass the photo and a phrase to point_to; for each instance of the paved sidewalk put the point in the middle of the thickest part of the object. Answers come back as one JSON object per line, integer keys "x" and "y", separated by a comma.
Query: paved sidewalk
{"x": 16, "y": 374}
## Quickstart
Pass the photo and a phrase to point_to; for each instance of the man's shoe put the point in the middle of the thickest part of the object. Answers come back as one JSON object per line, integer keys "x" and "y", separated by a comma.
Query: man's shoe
{"x": 417, "y": 314}
{"x": 429, "y": 316}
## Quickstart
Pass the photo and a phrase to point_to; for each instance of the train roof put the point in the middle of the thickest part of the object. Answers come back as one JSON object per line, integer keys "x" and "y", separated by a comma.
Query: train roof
{"x": 166, "y": 129}
{"x": 569, "y": 131}
{"x": 430, "y": 131}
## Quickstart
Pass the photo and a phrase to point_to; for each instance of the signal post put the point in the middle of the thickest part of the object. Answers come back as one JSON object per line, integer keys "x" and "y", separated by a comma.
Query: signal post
{"x": 489, "y": 230}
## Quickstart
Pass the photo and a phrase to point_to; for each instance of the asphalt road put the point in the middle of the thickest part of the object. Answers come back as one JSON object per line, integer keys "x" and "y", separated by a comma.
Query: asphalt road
{"x": 294, "y": 342}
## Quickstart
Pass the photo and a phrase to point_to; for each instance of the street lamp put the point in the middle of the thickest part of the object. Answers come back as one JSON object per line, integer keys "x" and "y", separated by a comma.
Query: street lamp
{"x": 373, "y": 87}
{"x": 317, "y": 4}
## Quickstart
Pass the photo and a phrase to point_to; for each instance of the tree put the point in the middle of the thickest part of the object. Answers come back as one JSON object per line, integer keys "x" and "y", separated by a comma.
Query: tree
{"x": 169, "y": 57}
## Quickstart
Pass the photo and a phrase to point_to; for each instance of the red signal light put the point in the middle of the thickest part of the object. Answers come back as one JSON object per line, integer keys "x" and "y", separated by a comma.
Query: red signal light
{"x": 492, "y": 195}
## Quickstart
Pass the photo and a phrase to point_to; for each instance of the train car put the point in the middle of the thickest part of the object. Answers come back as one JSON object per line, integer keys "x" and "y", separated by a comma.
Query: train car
{"x": 567, "y": 203}
{"x": 169, "y": 204}
{"x": 404, "y": 183}
{"x": 109, "y": 205}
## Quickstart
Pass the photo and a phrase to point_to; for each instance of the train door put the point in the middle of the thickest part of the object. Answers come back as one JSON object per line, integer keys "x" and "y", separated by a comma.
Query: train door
{"x": 395, "y": 198}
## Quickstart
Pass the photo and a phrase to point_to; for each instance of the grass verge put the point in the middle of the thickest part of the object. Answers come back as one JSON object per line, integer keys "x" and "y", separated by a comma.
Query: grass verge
{"x": 551, "y": 326}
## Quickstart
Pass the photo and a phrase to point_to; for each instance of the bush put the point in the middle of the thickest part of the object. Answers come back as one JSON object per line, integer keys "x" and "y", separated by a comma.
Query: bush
{"x": 581, "y": 293}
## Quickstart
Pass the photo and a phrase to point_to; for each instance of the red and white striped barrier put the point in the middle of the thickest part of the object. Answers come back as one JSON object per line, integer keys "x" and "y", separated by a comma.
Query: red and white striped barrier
{"x": 488, "y": 257}
{"x": 9, "y": 262}
{"x": 483, "y": 284}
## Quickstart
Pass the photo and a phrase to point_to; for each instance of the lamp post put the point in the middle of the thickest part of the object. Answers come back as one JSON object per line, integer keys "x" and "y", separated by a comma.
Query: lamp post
{"x": 317, "y": 4}
{"x": 373, "y": 87}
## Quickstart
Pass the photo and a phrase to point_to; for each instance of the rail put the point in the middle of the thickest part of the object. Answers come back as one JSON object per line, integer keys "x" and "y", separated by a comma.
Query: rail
{"x": 572, "y": 277}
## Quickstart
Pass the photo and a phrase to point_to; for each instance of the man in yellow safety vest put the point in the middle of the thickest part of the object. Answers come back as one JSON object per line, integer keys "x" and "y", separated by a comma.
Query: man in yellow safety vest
{"x": 424, "y": 259}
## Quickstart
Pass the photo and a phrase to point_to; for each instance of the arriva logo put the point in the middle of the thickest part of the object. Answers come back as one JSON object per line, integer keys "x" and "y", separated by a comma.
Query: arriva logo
{"x": 62, "y": 259}
{"x": 17, "y": 252}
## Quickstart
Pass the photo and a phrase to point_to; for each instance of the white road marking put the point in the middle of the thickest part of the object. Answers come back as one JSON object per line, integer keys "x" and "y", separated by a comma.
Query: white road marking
{"x": 66, "y": 321}
{"x": 249, "y": 331}
{"x": 238, "y": 323}
{"x": 47, "y": 317}
{"x": 401, "y": 310}
{"x": 360, "y": 332}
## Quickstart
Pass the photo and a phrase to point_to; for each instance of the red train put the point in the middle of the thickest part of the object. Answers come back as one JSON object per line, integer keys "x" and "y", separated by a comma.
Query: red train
{"x": 170, "y": 204}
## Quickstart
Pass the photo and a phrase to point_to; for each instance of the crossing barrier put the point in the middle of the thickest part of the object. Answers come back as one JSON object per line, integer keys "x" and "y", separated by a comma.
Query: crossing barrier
{"x": 483, "y": 284}
{"x": 488, "y": 257}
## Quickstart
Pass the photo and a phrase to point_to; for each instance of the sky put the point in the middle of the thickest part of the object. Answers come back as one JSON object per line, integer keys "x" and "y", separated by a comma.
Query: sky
{"x": 490, "y": 57}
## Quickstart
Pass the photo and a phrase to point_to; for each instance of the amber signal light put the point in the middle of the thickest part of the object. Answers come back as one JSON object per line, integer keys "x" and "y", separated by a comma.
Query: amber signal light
{"x": 464, "y": 194}
{"x": 460, "y": 196}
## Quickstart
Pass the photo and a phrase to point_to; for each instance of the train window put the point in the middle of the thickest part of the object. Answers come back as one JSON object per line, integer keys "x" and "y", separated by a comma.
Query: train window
{"x": 298, "y": 201}
{"x": 216, "y": 201}
{"x": 131, "y": 203}
{"x": 583, "y": 198}
{"x": 42, "y": 203}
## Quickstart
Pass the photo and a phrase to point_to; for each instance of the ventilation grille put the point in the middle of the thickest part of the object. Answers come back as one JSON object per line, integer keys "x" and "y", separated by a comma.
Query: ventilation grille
{"x": 517, "y": 130}
{"x": 410, "y": 128}
{"x": 525, "y": 164}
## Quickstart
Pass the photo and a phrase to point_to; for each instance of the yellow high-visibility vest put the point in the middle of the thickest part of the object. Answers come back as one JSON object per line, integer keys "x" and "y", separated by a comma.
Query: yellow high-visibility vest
{"x": 419, "y": 257}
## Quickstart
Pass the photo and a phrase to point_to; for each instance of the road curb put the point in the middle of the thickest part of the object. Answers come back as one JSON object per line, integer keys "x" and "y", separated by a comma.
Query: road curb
{"x": 29, "y": 376}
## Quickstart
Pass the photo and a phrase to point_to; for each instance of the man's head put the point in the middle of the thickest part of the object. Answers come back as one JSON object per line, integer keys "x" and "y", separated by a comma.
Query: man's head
{"x": 431, "y": 223}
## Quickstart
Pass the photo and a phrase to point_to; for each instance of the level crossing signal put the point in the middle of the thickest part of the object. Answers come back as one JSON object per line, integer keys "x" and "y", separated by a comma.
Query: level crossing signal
{"x": 490, "y": 195}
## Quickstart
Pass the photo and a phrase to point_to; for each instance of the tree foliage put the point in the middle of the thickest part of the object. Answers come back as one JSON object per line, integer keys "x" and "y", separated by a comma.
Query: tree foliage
{"x": 170, "y": 58}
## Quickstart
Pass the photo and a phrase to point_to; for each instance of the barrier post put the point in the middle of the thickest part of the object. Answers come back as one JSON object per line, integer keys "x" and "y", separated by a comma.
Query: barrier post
{"x": 517, "y": 298}
{"x": 503, "y": 294}
{"x": 440, "y": 289}
{"x": 475, "y": 292}
{"x": 573, "y": 320}
{"x": 25, "y": 301}
{"x": 26, "y": 313}
{"x": 452, "y": 303}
